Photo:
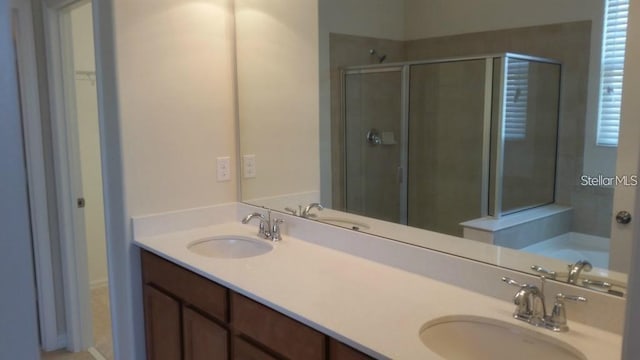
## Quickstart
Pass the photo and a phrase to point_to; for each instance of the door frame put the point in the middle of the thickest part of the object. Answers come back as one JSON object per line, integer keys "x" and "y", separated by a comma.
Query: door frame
{"x": 125, "y": 293}
{"x": 73, "y": 245}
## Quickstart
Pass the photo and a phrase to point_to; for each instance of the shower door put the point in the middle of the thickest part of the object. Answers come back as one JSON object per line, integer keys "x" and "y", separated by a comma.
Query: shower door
{"x": 374, "y": 121}
{"x": 448, "y": 144}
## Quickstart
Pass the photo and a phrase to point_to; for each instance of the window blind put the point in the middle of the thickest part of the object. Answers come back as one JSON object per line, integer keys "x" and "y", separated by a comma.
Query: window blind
{"x": 613, "y": 49}
{"x": 517, "y": 99}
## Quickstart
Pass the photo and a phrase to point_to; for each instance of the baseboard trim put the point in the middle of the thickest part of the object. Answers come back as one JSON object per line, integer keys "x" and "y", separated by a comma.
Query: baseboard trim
{"x": 96, "y": 354}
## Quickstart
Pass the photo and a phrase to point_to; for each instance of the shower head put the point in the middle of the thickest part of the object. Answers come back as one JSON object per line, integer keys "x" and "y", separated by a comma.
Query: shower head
{"x": 381, "y": 58}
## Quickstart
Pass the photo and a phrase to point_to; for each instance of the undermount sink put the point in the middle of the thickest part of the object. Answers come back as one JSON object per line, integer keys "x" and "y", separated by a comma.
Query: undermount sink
{"x": 230, "y": 247}
{"x": 465, "y": 337}
{"x": 355, "y": 225}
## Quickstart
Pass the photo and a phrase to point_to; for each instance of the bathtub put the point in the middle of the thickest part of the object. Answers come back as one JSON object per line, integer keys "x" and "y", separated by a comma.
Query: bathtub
{"x": 572, "y": 246}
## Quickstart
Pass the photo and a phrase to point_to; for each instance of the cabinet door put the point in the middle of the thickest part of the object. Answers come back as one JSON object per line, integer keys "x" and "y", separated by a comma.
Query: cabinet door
{"x": 203, "y": 339}
{"x": 243, "y": 350}
{"x": 162, "y": 325}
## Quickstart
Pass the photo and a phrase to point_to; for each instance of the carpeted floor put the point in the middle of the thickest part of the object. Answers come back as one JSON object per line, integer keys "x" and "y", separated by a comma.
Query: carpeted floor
{"x": 103, "y": 343}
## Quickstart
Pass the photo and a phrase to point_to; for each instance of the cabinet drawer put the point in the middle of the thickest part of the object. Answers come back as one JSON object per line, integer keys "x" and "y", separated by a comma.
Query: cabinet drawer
{"x": 191, "y": 288}
{"x": 276, "y": 331}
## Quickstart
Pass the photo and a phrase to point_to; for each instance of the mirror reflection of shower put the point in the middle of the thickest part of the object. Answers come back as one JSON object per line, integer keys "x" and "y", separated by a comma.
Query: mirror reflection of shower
{"x": 435, "y": 154}
{"x": 381, "y": 58}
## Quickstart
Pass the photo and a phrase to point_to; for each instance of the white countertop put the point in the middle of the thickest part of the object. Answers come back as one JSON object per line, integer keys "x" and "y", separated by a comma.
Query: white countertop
{"x": 373, "y": 307}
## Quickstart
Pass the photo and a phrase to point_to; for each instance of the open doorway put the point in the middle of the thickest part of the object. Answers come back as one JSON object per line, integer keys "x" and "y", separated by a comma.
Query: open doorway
{"x": 78, "y": 208}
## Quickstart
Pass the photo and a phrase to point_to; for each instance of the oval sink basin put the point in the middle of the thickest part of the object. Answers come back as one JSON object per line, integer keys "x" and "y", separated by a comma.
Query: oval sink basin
{"x": 355, "y": 225}
{"x": 230, "y": 247}
{"x": 478, "y": 338}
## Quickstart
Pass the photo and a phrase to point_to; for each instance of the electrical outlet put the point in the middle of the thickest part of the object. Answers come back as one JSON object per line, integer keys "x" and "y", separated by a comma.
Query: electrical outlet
{"x": 223, "y": 170}
{"x": 249, "y": 166}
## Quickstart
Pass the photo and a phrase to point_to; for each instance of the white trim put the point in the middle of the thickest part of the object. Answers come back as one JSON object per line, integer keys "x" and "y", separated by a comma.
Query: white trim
{"x": 99, "y": 283}
{"x": 68, "y": 185}
{"x": 36, "y": 179}
{"x": 96, "y": 354}
{"x": 125, "y": 288}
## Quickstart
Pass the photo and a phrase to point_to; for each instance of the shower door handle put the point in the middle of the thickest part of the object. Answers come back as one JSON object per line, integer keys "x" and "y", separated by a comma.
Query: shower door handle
{"x": 623, "y": 217}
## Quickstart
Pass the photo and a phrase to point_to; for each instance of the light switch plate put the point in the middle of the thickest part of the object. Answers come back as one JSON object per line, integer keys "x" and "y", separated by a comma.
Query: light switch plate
{"x": 223, "y": 170}
{"x": 249, "y": 166}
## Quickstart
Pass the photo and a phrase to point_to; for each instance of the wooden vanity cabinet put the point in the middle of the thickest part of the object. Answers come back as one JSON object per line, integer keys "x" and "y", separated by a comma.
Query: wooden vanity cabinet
{"x": 275, "y": 331}
{"x": 162, "y": 325}
{"x": 190, "y": 317}
{"x": 185, "y": 314}
{"x": 244, "y": 350}
{"x": 202, "y": 338}
{"x": 340, "y": 351}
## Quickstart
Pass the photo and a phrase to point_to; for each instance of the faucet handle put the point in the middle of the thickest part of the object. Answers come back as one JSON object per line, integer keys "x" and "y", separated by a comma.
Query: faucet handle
{"x": 557, "y": 320}
{"x": 275, "y": 230}
{"x": 604, "y": 285}
{"x": 512, "y": 282}
{"x": 574, "y": 298}
{"x": 548, "y": 273}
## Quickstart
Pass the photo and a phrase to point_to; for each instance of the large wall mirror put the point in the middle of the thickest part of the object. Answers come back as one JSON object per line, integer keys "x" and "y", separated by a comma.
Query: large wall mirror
{"x": 484, "y": 129}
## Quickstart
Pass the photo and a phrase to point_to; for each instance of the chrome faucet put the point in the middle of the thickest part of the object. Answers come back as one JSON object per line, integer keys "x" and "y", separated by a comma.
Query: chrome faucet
{"x": 262, "y": 228}
{"x": 529, "y": 302}
{"x": 576, "y": 269}
{"x": 268, "y": 228}
{"x": 306, "y": 212}
{"x": 530, "y": 306}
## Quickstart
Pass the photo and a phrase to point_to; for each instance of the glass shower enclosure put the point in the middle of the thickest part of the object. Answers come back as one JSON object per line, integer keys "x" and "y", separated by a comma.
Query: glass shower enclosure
{"x": 435, "y": 143}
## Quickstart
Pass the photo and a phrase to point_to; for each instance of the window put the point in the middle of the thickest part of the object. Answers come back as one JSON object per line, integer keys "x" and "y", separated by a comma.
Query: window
{"x": 517, "y": 99}
{"x": 611, "y": 73}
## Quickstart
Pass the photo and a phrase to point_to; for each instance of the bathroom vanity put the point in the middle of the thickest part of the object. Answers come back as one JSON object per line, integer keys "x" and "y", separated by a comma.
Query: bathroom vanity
{"x": 188, "y": 316}
{"x": 325, "y": 292}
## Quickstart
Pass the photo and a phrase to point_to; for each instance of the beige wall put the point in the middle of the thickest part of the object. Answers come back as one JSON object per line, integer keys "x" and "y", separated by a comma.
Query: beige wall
{"x": 431, "y": 18}
{"x": 176, "y": 97}
{"x": 277, "y": 44}
{"x": 89, "y": 142}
